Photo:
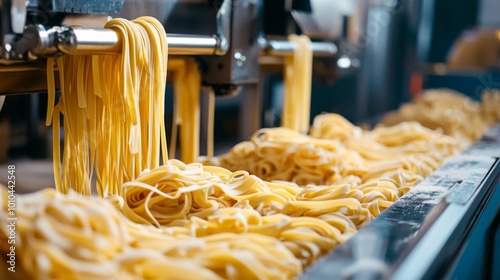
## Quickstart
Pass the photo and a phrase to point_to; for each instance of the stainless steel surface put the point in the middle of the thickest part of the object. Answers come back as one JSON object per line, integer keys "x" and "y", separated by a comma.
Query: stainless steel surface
{"x": 308, "y": 24}
{"x": 224, "y": 27}
{"x": 285, "y": 48}
{"x": 18, "y": 12}
{"x": 420, "y": 234}
{"x": 88, "y": 41}
{"x": 192, "y": 45}
{"x": 17, "y": 17}
{"x": 239, "y": 66}
{"x": 436, "y": 250}
{"x": 93, "y": 41}
{"x": 38, "y": 40}
{"x": 78, "y": 41}
{"x": 196, "y": 17}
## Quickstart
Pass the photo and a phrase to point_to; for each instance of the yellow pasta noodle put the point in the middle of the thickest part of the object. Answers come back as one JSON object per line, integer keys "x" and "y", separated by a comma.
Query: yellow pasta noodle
{"x": 297, "y": 80}
{"x": 187, "y": 81}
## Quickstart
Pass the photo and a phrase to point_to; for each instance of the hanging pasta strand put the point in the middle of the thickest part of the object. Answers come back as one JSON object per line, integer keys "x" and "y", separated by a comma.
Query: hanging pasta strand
{"x": 186, "y": 117}
{"x": 297, "y": 81}
{"x": 115, "y": 126}
{"x": 210, "y": 125}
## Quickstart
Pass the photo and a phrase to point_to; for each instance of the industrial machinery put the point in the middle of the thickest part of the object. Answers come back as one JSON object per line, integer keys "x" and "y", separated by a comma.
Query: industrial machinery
{"x": 428, "y": 233}
{"x": 226, "y": 38}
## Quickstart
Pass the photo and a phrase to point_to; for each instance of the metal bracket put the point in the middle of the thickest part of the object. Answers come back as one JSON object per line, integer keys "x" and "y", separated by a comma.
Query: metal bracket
{"x": 223, "y": 27}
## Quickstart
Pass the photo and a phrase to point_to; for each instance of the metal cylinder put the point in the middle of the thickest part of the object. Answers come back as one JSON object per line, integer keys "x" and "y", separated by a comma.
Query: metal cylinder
{"x": 191, "y": 45}
{"x": 78, "y": 41}
{"x": 88, "y": 41}
{"x": 285, "y": 48}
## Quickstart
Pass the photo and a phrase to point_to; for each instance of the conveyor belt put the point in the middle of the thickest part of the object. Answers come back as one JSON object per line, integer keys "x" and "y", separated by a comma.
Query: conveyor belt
{"x": 421, "y": 235}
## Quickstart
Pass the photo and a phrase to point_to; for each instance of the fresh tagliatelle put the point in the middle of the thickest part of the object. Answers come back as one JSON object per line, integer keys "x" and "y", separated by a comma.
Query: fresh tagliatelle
{"x": 81, "y": 237}
{"x": 283, "y": 154}
{"x": 113, "y": 108}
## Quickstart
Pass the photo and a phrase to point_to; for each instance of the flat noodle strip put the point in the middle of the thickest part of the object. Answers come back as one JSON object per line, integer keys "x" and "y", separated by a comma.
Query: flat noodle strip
{"x": 51, "y": 92}
{"x": 297, "y": 80}
{"x": 186, "y": 83}
{"x": 210, "y": 125}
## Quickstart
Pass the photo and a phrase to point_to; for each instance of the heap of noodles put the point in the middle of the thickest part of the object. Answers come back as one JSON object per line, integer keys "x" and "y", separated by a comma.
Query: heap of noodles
{"x": 75, "y": 237}
{"x": 163, "y": 219}
{"x": 407, "y": 152}
{"x": 451, "y": 112}
{"x": 335, "y": 148}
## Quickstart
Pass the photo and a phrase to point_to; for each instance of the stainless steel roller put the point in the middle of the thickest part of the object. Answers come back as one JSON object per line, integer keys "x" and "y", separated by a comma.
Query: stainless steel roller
{"x": 89, "y": 41}
{"x": 285, "y": 48}
{"x": 78, "y": 41}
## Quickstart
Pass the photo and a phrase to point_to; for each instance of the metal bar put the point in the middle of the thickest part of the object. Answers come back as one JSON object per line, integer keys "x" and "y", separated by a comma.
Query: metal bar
{"x": 190, "y": 45}
{"x": 285, "y": 48}
{"x": 89, "y": 41}
{"x": 78, "y": 41}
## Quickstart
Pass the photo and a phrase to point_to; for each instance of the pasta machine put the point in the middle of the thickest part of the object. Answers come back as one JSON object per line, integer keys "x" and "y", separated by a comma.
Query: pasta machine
{"x": 33, "y": 30}
{"x": 227, "y": 37}
{"x": 228, "y": 48}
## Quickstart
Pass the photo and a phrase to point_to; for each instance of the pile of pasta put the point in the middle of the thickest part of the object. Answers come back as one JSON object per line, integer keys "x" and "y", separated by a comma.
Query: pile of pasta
{"x": 81, "y": 237}
{"x": 336, "y": 149}
{"x": 413, "y": 141}
{"x": 450, "y": 112}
